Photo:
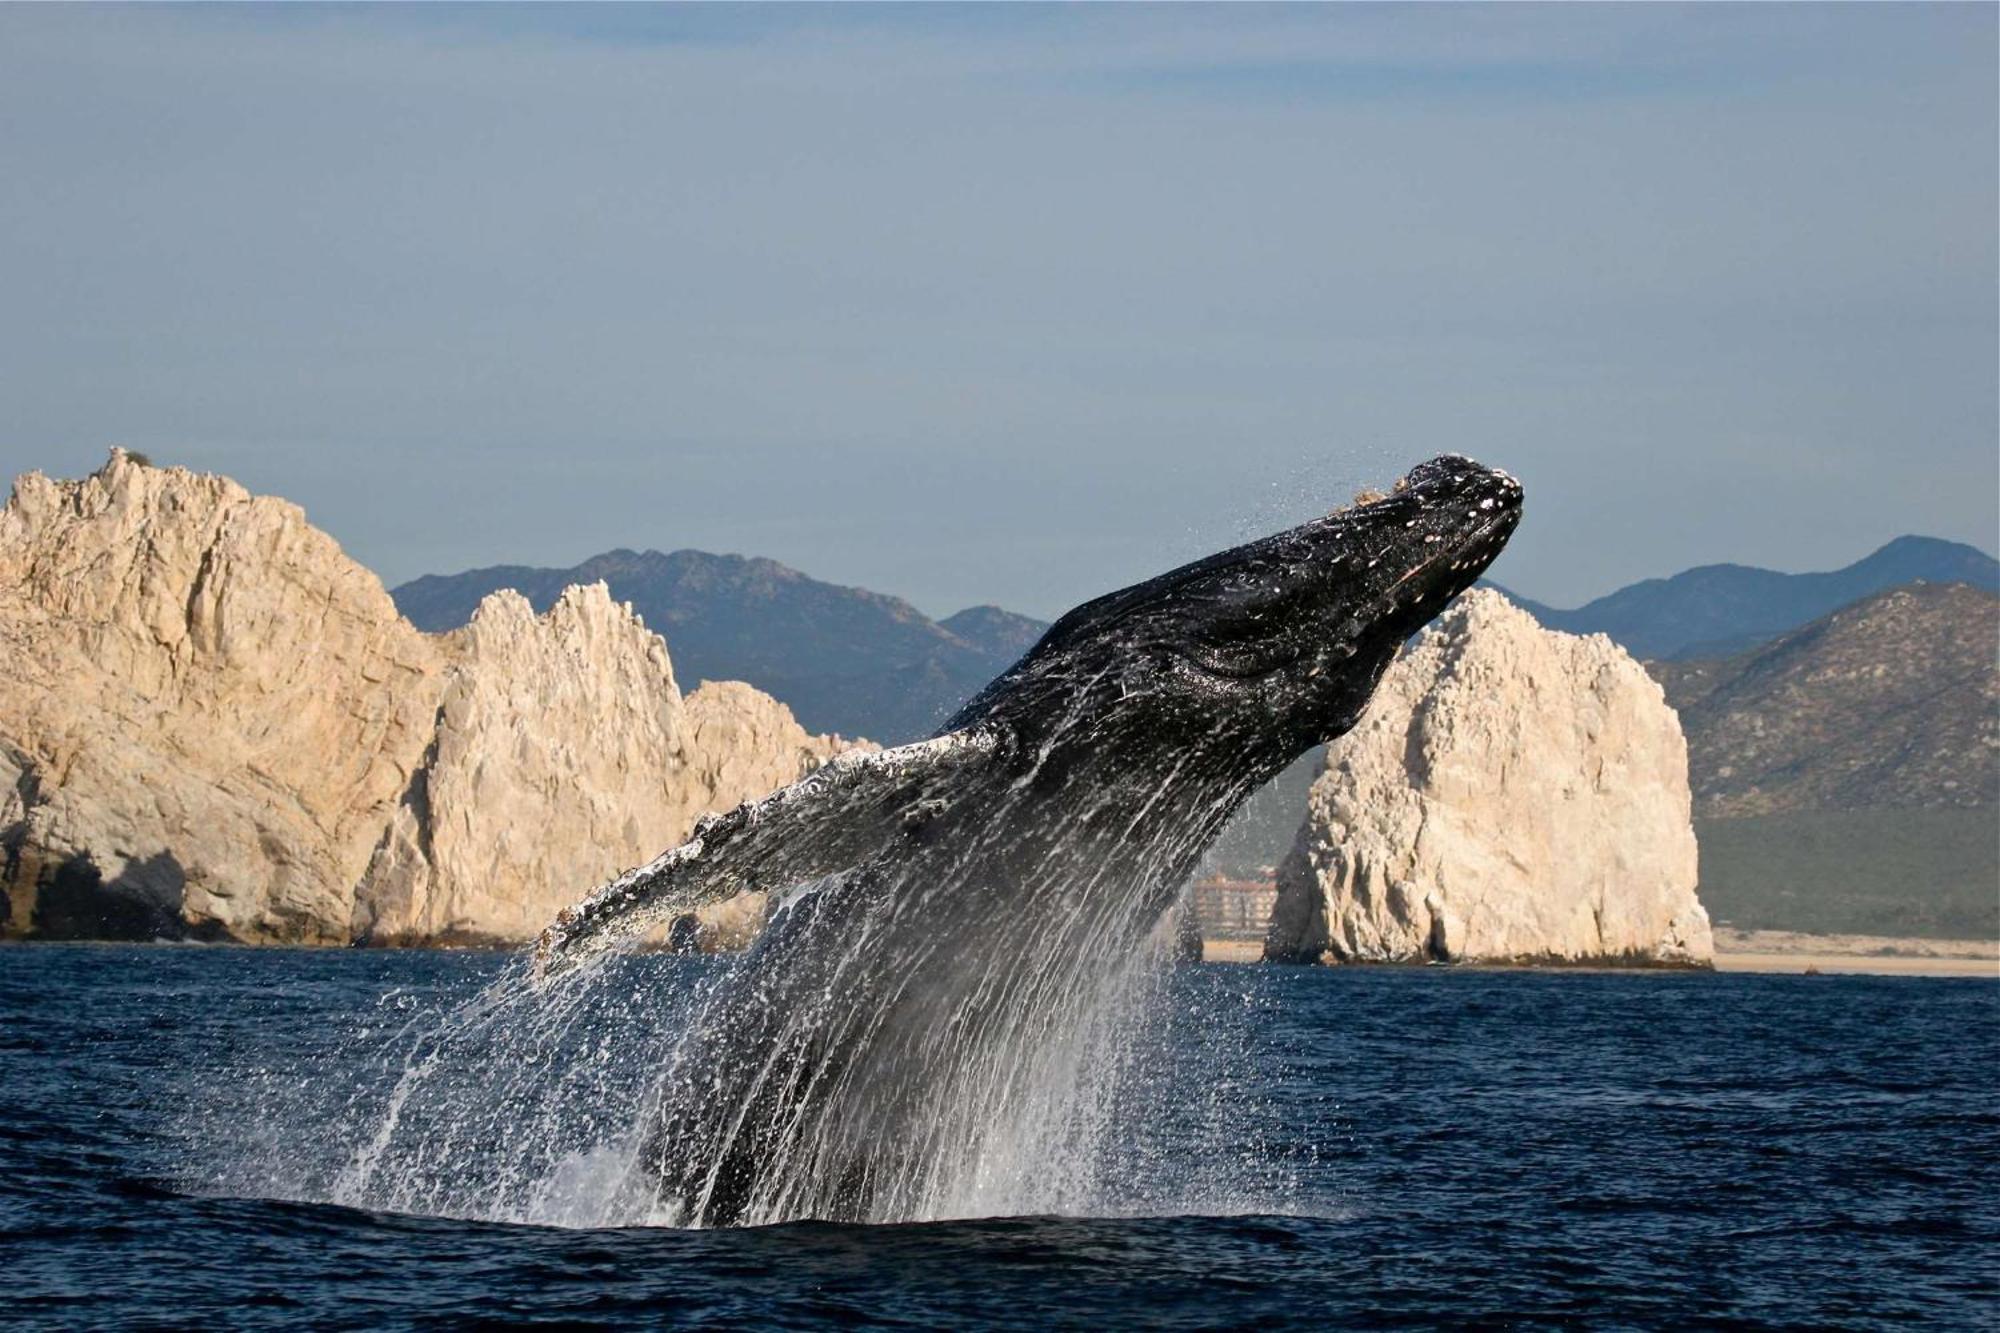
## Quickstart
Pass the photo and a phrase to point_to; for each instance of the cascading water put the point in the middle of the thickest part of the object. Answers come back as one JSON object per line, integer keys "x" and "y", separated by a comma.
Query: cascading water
{"x": 525, "y": 1106}
{"x": 952, "y": 1041}
{"x": 894, "y": 1053}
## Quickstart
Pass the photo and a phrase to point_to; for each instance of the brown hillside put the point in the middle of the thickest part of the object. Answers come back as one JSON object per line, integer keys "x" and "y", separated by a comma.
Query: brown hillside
{"x": 1892, "y": 701}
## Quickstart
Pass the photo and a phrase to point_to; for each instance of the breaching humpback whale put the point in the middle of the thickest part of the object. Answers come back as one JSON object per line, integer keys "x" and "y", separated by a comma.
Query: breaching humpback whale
{"x": 942, "y": 907}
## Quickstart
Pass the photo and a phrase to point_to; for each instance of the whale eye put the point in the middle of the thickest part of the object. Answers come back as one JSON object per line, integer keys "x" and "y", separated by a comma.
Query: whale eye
{"x": 1245, "y": 662}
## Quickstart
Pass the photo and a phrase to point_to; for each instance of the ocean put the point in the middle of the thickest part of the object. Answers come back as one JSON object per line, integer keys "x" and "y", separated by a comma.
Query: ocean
{"x": 1394, "y": 1148}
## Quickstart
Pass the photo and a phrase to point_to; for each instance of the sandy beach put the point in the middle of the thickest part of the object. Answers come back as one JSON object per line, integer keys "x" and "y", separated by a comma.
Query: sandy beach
{"x": 1878, "y": 955}
{"x": 1786, "y": 951}
{"x": 1232, "y": 951}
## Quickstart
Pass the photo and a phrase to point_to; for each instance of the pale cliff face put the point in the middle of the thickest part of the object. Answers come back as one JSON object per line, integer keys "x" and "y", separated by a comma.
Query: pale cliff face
{"x": 205, "y": 704}
{"x": 1512, "y": 793}
{"x": 210, "y": 696}
{"x": 564, "y": 754}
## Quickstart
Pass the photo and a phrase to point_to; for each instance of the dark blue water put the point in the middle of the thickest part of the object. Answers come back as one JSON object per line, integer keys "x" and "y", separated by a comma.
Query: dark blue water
{"x": 1439, "y": 1148}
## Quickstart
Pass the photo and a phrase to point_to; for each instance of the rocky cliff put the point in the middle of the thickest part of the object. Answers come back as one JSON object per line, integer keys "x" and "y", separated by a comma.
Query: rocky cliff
{"x": 214, "y": 723}
{"x": 1512, "y": 794}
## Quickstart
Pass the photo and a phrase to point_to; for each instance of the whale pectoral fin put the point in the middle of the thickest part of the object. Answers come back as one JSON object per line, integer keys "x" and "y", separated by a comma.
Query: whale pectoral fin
{"x": 843, "y": 812}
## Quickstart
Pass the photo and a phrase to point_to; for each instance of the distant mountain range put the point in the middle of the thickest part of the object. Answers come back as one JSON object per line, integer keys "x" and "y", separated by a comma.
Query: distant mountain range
{"x": 865, "y": 664}
{"x": 1840, "y": 725}
{"x": 847, "y": 660}
{"x": 1715, "y": 610}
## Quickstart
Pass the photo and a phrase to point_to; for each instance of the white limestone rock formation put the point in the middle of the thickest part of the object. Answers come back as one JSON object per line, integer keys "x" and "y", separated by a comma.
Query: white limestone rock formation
{"x": 1513, "y": 794}
{"x": 216, "y": 710}
{"x": 215, "y": 723}
{"x": 563, "y": 755}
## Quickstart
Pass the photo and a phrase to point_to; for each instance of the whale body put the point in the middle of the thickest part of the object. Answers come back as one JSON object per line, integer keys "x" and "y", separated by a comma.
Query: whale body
{"x": 949, "y": 913}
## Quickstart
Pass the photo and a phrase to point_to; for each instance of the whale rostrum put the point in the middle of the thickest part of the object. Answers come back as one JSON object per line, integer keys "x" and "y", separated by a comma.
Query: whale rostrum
{"x": 948, "y": 915}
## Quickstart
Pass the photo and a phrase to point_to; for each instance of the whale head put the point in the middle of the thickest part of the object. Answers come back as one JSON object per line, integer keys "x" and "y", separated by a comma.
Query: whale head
{"x": 1269, "y": 648}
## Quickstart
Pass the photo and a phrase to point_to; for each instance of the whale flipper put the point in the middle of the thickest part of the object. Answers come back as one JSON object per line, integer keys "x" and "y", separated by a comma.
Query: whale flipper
{"x": 841, "y": 813}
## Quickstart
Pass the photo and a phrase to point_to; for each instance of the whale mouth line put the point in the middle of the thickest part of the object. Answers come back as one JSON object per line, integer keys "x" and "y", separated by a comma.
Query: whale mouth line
{"x": 1461, "y": 546}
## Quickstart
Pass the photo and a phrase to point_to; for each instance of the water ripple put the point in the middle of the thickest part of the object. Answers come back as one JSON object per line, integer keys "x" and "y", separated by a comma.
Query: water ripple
{"x": 1434, "y": 1149}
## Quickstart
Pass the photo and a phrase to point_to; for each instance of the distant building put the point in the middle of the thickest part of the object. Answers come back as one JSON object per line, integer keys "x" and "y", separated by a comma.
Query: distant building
{"x": 1234, "y": 909}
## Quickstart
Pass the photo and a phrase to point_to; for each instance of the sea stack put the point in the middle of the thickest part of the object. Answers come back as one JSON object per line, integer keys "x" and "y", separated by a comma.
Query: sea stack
{"x": 1513, "y": 795}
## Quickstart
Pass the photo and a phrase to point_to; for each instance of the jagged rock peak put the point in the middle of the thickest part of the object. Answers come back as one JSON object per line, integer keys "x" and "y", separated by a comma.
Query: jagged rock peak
{"x": 564, "y": 754}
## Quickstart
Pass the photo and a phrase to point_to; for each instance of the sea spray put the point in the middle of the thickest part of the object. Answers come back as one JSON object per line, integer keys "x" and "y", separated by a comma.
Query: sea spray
{"x": 1029, "y": 1076}
{"x": 503, "y": 1103}
{"x": 457, "y": 1099}
{"x": 948, "y": 1035}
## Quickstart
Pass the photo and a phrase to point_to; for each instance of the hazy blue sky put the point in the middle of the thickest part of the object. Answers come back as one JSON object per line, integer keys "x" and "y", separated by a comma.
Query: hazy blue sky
{"x": 1014, "y": 304}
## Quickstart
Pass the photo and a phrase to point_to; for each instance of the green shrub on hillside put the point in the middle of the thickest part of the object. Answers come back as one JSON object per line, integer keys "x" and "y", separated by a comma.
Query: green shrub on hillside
{"x": 1934, "y": 874}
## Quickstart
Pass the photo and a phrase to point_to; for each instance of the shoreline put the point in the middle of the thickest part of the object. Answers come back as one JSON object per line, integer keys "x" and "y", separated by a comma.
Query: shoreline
{"x": 1767, "y": 951}
{"x": 1787, "y": 951}
{"x": 1856, "y": 965}
{"x": 1772, "y": 952}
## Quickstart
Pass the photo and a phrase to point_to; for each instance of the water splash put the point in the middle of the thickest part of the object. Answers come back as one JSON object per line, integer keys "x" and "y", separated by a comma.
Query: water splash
{"x": 943, "y": 1043}
{"x": 539, "y": 1108}
{"x": 976, "y": 1029}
